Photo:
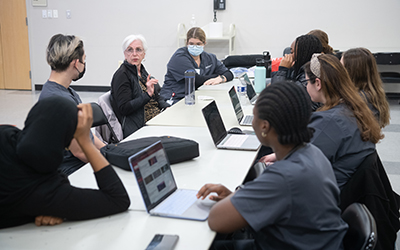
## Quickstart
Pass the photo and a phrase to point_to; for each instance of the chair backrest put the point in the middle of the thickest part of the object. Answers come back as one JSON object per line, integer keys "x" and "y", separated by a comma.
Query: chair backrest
{"x": 99, "y": 118}
{"x": 362, "y": 232}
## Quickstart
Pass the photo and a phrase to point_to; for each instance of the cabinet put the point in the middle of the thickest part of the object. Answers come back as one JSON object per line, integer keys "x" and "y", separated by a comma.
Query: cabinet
{"x": 228, "y": 38}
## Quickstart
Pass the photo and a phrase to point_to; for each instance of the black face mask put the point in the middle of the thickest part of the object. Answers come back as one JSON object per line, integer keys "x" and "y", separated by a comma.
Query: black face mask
{"x": 80, "y": 73}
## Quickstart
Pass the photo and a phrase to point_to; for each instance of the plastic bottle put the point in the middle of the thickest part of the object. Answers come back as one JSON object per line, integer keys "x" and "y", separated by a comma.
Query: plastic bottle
{"x": 242, "y": 92}
{"x": 190, "y": 87}
{"x": 267, "y": 63}
{"x": 259, "y": 75}
{"x": 193, "y": 21}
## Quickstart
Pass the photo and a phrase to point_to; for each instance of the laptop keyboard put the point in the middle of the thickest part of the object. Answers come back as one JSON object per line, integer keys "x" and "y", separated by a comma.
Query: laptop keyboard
{"x": 248, "y": 119}
{"x": 177, "y": 203}
{"x": 235, "y": 140}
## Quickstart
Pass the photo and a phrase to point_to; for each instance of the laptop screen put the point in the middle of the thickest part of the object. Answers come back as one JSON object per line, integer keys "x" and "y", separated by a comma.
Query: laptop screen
{"x": 153, "y": 174}
{"x": 214, "y": 122}
{"x": 251, "y": 93}
{"x": 236, "y": 104}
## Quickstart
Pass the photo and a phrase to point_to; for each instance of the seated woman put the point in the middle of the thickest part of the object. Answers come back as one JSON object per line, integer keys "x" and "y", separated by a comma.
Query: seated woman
{"x": 135, "y": 96}
{"x": 293, "y": 204}
{"x": 345, "y": 128}
{"x": 209, "y": 70}
{"x": 362, "y": 69}
{"x": 291, "y": 66}
{"x": 32, "y": 189}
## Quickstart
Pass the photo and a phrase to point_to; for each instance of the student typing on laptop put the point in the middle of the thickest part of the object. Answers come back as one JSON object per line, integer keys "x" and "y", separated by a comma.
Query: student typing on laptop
{"x": 293, "y": 204}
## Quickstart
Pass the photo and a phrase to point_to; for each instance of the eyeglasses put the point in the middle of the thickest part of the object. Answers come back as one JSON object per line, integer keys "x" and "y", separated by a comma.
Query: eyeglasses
{"x": 304, "y": 82}
{"x": 138, "y": 51}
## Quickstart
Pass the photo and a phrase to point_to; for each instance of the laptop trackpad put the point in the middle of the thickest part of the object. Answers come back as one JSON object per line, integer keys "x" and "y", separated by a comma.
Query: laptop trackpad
{"x": 197, "y": 211}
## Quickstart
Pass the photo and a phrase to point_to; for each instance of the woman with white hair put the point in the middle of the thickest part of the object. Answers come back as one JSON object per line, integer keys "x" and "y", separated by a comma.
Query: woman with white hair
{"x": 135, "y": 96}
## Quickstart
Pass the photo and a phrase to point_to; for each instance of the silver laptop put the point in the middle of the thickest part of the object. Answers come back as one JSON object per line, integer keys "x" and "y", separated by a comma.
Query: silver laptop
{"x": 220, "y": 136}
{"x": 243, "y": 120}
{"x": 251, "y": 92}
{"x": 159, "y": 191}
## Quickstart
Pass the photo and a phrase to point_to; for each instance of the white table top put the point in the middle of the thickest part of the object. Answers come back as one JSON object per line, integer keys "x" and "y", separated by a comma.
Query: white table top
{"x": 181, "y": 114}
{"x": 134, "y": 229}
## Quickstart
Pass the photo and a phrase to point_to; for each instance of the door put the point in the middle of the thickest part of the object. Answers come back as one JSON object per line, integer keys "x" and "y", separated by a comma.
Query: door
{"x": 14, "y": 46}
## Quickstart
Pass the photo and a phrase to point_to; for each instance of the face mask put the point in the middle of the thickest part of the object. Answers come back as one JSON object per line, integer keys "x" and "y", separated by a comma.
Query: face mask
{"x": 80, "y": 73}
{"x": 195, "y": 50}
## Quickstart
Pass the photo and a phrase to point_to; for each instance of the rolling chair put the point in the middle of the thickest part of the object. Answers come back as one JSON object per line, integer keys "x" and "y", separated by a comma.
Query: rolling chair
{"x": 100, "y": 119}
{"x": 362, "y": 232}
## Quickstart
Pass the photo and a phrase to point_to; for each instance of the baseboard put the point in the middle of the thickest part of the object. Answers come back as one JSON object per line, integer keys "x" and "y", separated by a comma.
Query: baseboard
{"x": 82, "y": 88}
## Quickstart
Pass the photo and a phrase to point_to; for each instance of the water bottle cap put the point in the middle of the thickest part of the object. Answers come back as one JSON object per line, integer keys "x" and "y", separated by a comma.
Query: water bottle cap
{"x": 260, "y": 62}
{"x": 266, "y": 55}
{"x": 190, "y": 73}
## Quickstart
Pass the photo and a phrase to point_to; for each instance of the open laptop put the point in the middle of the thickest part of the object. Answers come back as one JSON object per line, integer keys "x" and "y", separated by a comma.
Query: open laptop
{"x": 251, "y": 92}
{"x": 159, "y": 191}
{"x": 220, "y": 136}
{"x": 243, "y": 120}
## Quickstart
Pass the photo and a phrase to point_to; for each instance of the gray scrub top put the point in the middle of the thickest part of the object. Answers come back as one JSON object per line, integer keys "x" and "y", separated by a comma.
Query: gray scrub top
{"x": 70, "y": 163}
{"x": 338, "y": 137}
{"x": 181, "y": 61}
{"x": 293, "y": 204}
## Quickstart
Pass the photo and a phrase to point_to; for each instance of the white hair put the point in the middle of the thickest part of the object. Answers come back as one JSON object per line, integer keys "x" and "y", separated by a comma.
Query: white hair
{"x": 129, "y": 39}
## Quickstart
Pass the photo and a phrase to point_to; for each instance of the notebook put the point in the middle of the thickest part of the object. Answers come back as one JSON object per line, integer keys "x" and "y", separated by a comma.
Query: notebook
{"x": 251, "y": 92}
{"x": 159, "y": 191}
{"x": 220, "y": 136}
{"x": 243, "y": 120}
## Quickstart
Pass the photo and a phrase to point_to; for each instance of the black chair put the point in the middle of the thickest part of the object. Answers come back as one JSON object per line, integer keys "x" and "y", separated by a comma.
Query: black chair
{"x": 389, "y": 69}
{"x": 362, "y": 232}
{"x": 100, "y": 119}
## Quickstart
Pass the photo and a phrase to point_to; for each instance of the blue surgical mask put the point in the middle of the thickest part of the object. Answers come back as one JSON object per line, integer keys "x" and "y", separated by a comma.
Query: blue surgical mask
{"x": 195, "y": 50}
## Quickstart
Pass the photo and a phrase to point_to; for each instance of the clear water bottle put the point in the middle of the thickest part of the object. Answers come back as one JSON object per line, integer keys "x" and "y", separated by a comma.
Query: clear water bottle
{"x": 242, "y": 92}
{"x": 190, "y": 75}
{"x": 260, "y": 75}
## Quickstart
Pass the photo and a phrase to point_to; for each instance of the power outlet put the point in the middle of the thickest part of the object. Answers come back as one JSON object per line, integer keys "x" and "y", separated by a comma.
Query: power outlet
{"x": 49, "y": 14}
{"x": 44, "y": 13}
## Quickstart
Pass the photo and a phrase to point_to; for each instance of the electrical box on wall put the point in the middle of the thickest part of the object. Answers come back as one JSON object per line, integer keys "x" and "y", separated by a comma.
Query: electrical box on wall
{"x": 39, "y": 3}
{"x": 219, "y": 4}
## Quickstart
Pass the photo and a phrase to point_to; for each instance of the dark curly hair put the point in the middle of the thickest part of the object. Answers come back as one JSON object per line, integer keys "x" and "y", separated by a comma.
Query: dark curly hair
{"x": 287, "y": 108}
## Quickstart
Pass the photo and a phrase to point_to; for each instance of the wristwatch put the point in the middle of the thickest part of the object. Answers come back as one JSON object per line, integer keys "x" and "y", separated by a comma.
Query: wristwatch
{"x": 222, "y": 77}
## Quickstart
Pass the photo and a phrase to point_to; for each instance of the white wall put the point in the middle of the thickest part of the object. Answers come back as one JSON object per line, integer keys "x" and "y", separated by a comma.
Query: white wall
{"x": 260, "y": 25}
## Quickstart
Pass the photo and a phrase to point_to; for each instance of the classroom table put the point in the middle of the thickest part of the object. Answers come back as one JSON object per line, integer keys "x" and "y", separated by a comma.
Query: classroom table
{"x": 134, "y": 228}
{"x": 181, "y": 114}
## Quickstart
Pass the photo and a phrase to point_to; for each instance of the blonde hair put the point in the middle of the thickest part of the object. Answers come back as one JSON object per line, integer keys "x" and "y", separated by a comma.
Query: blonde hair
{"x": 62, "y": 50}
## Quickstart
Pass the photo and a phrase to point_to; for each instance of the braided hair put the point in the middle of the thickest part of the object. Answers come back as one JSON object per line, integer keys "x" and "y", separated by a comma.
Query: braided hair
{"x": 305, "y": 47}
{"x": 287, "y": 108}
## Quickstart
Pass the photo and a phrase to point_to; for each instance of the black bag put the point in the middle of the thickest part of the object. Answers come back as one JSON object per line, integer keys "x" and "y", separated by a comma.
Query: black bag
{"x": 177, "y": 150}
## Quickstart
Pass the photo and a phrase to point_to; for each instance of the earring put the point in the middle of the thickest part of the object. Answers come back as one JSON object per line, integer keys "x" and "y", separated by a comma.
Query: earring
{"x": 264, "y": 134}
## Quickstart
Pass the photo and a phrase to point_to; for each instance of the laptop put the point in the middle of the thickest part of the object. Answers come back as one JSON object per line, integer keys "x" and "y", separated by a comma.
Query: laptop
{"x": 220, "y": 136}
{"x": 251, "y": 92}
{"x": 159, "y": 191}
{"x": 243, "y": 120}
